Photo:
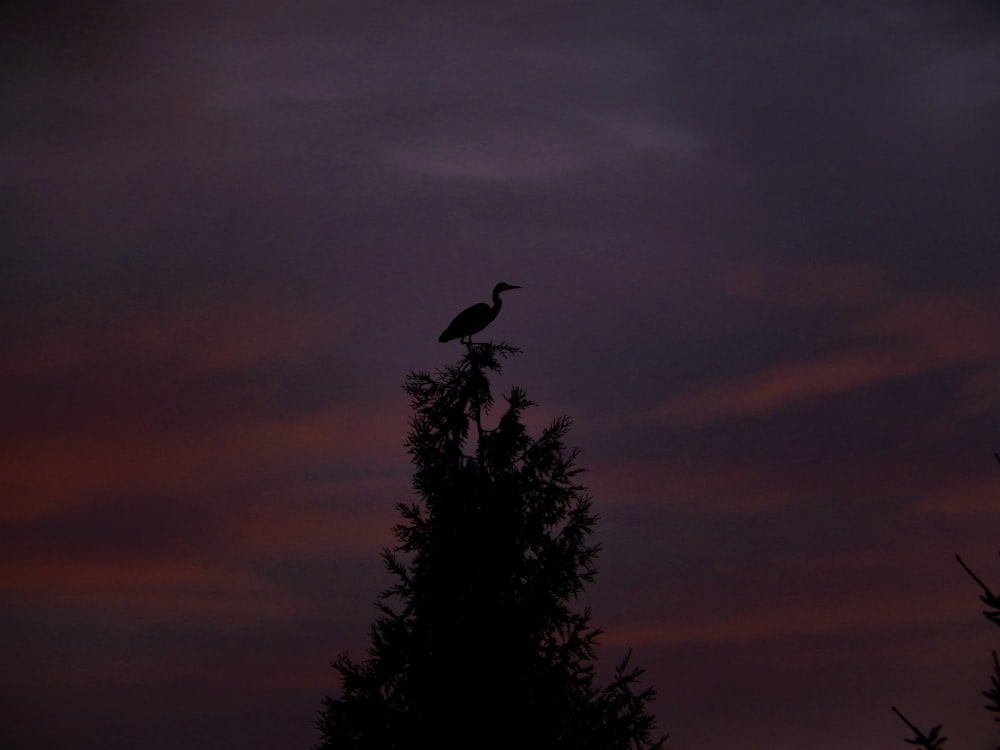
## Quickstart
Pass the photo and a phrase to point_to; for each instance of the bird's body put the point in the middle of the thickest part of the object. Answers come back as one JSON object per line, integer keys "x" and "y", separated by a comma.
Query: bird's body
{"x": 475, "y": 318}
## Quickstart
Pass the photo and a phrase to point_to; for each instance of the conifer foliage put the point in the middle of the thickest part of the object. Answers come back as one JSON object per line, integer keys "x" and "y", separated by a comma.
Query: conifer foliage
{"x": 934, "y": 739}
{"x": 477, "y": 643}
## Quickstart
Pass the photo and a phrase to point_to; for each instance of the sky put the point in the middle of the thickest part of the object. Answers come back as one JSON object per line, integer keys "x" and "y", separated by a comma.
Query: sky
{"x": 757, "y": 251}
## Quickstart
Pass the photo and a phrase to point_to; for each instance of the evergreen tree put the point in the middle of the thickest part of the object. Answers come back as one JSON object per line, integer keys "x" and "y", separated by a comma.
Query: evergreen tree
{"x": 934, "y": 740}
{"x": 476, "y": 643}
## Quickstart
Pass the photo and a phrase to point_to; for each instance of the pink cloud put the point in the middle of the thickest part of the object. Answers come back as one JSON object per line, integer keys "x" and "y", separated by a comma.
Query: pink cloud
{"x": 351, "y": 518}
{"x": 904, "y": 337}
{"x": 122, "y": 420}
{"x": 838, "y": 284}
{"x": 849, "y": 612}
{"x": 48, "y": 473}
{"x": 734, "y": 487}
{"x": 150, "y": 589}
{"x": 779, "y": 385}
{"x": 230, "y": 334}
{"x": 961, "y": 496}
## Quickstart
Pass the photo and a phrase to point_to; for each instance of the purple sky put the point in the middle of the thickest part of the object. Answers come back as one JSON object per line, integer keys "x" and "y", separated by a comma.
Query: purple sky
{"x": 759, "y": 258}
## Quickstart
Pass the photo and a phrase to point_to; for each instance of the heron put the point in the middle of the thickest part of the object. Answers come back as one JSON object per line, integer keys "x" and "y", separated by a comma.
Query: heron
{"x": 474, "y": 319}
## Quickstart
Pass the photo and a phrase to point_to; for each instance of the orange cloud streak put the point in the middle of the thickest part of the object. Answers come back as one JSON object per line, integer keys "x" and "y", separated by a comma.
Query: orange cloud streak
{"x": 914, "y": 335}
{"x": 824, "y": 615}
{"x": 159, "y": 588}
{"x": 50, "y": 473}
{"x": 229, "y": 334}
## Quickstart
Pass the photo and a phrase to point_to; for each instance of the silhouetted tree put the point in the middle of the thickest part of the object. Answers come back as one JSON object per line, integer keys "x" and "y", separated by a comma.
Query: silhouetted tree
{"x": 934, "y": 740}
{"x": 476, "y": 644}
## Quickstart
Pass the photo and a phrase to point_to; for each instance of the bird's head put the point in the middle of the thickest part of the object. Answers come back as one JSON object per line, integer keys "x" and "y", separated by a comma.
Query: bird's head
{"x": 502, "y": 287}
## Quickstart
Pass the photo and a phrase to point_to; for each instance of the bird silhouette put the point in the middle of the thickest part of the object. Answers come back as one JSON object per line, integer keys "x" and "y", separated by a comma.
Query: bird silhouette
{"x": 474, "y": 319}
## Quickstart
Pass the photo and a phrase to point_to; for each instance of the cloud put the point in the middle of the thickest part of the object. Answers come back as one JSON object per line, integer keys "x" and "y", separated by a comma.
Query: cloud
{"x": 171, "y": 590}
{"x": 735, "y": 486}
{"x": 227, "y": 223}
{"x": 320, "y": 519}
{"x": 200, "y": 554}
{"x": 884, "y": 336}
{"x": 178, "y": 398}
{"x": 860, "y": 584}
{"x": 962, "y": 496}
{"x": 780, "y": 385}
{"x": 46, "y": 474}
{"x": 804, "y": 283}
{"x": 507, "y": 144}
{"x": 182, "y": 341}
{"x": 816, "y": 616}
